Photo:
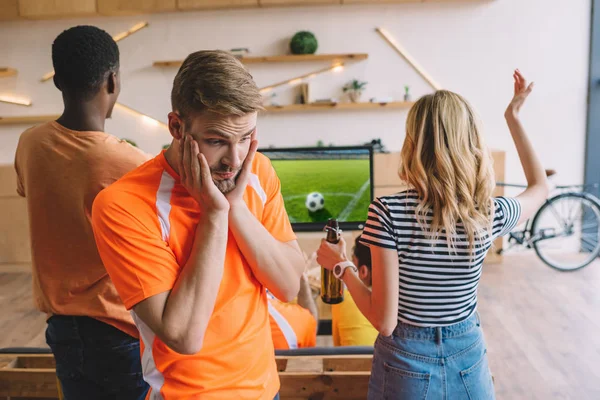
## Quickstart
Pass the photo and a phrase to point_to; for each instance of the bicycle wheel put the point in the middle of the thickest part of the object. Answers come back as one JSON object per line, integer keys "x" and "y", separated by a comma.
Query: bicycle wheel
{"x": 565, "y": 232}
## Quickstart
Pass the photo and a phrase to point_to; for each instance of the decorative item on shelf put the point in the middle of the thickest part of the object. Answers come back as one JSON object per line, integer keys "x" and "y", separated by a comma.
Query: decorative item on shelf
{"x": 325, "y": 102}
{"x": 381, "y": 100}
{"x": 240, "y": 52}
{"x": 131, "y": 142}
{"x": 304, "y": 94}
{"x": 304, "y": 42}
{"x": 354, "y": 88}
{"x": 406, "y": 93}
{"x": 320, "y": 143}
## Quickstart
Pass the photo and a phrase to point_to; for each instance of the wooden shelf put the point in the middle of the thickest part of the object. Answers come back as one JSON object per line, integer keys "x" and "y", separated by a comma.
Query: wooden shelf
{"x": 5, "y": 72}
{"x": 132, "y": 7}
{"x": 282, "y": 59}
{"x": 36, "y": 119}
{"x": 35, "y": 9}
{"x": 191, "y": 5}
{"x": 53, "y": 9}
{"x": 339, "y": 106}
{"x": 27, "y": 120}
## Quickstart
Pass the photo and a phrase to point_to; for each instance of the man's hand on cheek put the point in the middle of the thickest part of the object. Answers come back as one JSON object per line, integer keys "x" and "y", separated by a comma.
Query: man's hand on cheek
{"x": 236, "y": 196}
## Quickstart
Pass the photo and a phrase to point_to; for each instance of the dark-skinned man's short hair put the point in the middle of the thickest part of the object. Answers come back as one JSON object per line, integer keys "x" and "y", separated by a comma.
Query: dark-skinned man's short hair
{"x": 83, "y": 57}
{"x": 362, "y": 253}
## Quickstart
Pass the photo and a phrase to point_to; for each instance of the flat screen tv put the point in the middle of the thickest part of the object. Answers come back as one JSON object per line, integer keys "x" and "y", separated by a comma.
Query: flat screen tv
{"x": 318, "y": 183}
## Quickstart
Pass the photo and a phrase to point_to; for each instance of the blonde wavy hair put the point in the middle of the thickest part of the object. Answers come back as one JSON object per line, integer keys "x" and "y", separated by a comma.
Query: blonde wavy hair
{"x": 444, "y": 158}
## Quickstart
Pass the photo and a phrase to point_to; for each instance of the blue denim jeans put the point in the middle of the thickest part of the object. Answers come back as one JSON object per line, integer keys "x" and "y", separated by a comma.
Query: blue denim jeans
{"x": 445, "y": 363}
{"x": 95, "y": 360}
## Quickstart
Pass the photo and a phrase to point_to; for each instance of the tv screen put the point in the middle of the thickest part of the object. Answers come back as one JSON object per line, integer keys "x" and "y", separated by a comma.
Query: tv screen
{"x": 319, "y": 183}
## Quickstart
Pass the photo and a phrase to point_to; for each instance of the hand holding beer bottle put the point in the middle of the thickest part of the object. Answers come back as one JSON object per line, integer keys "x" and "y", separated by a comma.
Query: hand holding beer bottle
{"x": 332, "y": 289}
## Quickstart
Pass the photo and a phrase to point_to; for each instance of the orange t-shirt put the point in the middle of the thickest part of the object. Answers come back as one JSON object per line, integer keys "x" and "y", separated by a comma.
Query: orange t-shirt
{"x": 145, "y": 226}
{"x": 292, "y": 326}
{"x": 60, "y": 172}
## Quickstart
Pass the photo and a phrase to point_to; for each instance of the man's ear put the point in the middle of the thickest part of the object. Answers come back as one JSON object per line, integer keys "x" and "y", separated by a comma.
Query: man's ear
{"x": 56, "y": 83}
{"x": 112, "y": 83}
{"x": 363, "y": 272}
{"x": 175, "y": 125}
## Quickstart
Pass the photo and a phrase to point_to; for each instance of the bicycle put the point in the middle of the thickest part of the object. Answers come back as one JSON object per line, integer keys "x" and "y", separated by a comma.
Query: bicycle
{"x": 565, "y": 230}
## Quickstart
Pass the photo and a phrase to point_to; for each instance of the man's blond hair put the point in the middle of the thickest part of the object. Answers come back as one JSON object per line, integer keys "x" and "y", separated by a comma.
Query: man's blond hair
{"x": 214, "y": 81}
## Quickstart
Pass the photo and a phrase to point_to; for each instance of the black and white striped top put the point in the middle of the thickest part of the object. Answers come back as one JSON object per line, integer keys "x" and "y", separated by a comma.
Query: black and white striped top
{"x": 438, "y": 285}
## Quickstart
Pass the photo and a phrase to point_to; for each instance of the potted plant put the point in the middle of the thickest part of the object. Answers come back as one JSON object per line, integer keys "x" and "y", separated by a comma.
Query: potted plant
{"x": 406, "y": 93}
{"x": 354, "y": 88}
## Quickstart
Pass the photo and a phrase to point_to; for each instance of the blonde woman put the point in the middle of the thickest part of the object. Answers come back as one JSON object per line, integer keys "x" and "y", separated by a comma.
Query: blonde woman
{"x": 427, "y": 247}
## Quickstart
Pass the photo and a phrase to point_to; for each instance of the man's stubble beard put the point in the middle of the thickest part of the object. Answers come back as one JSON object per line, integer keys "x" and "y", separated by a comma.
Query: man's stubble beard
{"x": 225, "y": 185}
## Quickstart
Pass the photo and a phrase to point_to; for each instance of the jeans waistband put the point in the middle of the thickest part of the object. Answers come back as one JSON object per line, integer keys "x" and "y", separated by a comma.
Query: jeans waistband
{"x": 408, "y": 331}
{"x": 86, "y": 330}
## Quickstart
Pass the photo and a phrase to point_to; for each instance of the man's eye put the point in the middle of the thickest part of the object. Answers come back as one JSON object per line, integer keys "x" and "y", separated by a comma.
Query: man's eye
{"x": 245, "y": 139}
{"x": 214, "y": 142}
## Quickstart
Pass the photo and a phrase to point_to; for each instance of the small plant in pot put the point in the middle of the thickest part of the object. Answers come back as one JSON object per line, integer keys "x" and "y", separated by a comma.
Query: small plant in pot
{"x": 354, "y": 88}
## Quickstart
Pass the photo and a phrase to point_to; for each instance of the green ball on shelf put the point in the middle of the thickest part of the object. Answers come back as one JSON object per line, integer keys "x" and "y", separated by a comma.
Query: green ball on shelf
{"x": 304, "y": 42}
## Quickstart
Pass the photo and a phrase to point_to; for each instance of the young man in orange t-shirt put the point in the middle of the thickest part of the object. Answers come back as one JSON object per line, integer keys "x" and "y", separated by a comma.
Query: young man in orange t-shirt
{"x": 61, "y": 166}
{"x": 193, "y": 238}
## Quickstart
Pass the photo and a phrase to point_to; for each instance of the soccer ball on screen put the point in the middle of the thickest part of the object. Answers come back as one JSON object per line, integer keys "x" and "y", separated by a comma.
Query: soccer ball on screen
{"x": 314, "y": 201}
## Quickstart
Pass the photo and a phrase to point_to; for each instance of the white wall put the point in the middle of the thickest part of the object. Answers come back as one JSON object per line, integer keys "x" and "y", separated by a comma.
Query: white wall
{"x": 470, "y": 48}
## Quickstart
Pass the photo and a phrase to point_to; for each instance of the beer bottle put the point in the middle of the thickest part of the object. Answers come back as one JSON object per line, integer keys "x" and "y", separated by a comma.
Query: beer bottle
{"x": 332, "y": 289}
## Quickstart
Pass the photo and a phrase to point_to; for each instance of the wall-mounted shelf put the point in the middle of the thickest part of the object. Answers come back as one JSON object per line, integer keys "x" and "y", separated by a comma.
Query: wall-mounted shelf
{"x": 5, "y": 72}
{"x": 38, "y": 9}
{"x": 333, "y": 58}
{"x": 339, "y": 106}
{"x": 36, "y": 119}
{"x": 27, "y": 119}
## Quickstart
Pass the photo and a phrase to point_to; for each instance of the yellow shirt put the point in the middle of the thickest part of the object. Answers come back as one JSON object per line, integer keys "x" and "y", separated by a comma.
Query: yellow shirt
{"x": 349, "y": 326}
